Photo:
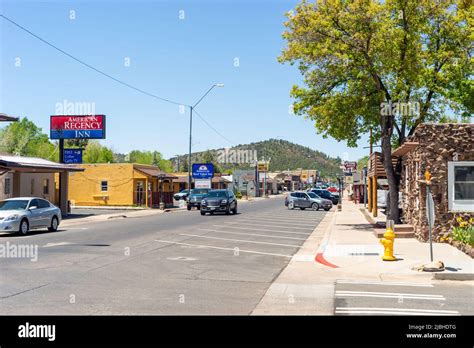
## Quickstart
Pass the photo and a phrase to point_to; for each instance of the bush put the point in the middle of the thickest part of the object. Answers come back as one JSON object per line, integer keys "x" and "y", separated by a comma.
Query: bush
{"x": 464, "y": 232}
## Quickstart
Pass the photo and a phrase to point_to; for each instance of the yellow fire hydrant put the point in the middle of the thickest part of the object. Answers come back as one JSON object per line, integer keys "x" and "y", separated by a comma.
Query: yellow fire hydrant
{"x": 387, "y": 241}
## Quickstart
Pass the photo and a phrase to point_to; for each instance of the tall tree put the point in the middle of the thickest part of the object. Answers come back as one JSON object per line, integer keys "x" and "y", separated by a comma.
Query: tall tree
{"x": 150, "y": 157}
{"x": 360, "y": 58}
{"x": 24, "y": 138}
{"x": 97, "y": 153}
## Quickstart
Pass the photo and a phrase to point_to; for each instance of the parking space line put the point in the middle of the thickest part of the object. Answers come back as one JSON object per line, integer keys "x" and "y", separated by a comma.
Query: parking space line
{"x": 222, "y": 248}
{"x": 250, "y": 234}
{"x": 239, "y": 240}
{"x": 282, "y": 218}
{"x": 262, "y": 229}
{"x": 244, "y": 223}
{"x": 285, "y": 217}
{"x": 279, "y": 222}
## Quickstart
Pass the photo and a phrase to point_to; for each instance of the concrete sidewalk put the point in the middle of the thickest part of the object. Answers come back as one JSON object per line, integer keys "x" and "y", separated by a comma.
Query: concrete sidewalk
{"x": 343, "y": 247}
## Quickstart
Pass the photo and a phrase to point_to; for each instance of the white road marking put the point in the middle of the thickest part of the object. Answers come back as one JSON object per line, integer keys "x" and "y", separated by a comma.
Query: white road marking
{"x": 222, "y": 248}
{"x": 397, "y": 311}
{"x": 262, "y": 229}
{"x": 279, "y": 222}
{"x": 238, "y": 240}
{"x": 370, "y": 282}
{"x": 389, "y": 295}
{"x": 250, "y": 234}
{"x": 253, "y": 224}
{"x": 288, "y": 217}
{"x": 49, "y": 245}
{"x": 386, "y": 293}
{"x": 283, "y": 218}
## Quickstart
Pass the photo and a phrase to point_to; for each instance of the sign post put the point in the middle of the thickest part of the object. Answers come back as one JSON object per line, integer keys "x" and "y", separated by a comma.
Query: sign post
{"x": 430, "y": 213}
{"x": 73, "y": 127}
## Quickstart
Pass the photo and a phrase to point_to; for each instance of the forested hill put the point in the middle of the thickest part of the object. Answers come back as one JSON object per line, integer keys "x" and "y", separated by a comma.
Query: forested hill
{"x": 284, "y": 155}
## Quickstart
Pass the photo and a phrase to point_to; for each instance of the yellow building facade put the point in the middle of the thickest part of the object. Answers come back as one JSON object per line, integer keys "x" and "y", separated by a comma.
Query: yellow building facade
{"x": 120, "y": 184}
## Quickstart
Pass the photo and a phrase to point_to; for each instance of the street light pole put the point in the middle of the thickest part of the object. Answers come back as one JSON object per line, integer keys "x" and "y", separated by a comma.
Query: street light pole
{"x": 190, "y": 141}
{"x": 191, "y": 131}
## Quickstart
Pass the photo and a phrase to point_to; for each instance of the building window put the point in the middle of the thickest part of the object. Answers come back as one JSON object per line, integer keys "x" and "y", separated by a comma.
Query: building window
{"x": 461, "y": 186}
{"x": 104, "y": 185}
{"x": 46, "y": 186}
{"x": 32, "y": 187}
{"x": 7, "y": 188}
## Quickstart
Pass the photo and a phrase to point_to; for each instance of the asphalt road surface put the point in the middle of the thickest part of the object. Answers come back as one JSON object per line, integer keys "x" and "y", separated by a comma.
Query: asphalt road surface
{"x": 172, "y": 263}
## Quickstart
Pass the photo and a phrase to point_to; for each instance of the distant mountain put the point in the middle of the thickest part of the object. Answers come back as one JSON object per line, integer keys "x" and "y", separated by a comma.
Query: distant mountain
{"x": 284, "y": 155}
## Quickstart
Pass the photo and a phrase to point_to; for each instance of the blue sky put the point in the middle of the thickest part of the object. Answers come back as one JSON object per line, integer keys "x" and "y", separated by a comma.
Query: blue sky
{"x": 175, "y": 58}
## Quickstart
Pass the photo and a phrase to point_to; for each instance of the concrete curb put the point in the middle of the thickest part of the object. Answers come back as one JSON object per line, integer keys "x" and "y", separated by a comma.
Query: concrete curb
{"x": 453, "y": 276}
{"x": 316, "y": 296}
{"x": 108, "y": 217}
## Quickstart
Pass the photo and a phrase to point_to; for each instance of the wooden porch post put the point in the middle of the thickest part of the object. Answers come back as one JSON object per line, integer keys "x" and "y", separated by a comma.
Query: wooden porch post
{"x": 374, "y": 196}
{"x": 369, "y": 194}
{"x": 146, "y": 192}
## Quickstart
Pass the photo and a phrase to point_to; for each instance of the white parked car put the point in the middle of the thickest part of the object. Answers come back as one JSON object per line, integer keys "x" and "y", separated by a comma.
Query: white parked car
{"x": 20, "y": 215}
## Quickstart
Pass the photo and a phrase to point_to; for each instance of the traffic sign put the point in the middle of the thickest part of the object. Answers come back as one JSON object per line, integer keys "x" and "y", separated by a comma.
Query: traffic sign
{"x": 430, "y": 210}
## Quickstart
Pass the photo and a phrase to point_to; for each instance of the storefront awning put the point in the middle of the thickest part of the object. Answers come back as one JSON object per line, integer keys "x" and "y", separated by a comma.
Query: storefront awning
{"x": 34, "y": 165}
{"x": 155, "y": 173}
{"x": 405, "y": 148}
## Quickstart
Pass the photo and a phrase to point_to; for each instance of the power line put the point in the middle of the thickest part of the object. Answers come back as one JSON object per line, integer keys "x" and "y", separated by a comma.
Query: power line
{"x": 215, "y": 130}
{"x": 113, "y": 78}
{"x": 90, "y": 66}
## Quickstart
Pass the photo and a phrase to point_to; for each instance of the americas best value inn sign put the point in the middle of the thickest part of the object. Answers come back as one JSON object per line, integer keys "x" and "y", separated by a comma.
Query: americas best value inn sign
{"x": 77, "y": 127}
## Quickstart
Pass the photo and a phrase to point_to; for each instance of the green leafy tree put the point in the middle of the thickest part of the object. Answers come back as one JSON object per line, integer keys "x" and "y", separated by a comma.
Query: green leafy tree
{"x": 150, "y": 157}
{"x": 24, "y": 138}
{"x": 362, "y": 162}
{"x": 359, "y": 56}
{"x": 97, "y": 153}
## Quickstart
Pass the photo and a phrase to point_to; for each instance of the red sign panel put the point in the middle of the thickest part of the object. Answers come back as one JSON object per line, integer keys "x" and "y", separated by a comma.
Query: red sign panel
{"x": 77, "y": 127}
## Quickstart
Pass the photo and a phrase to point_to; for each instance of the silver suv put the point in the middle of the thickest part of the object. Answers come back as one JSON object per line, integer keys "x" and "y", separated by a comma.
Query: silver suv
{"x": 305, "y": 200}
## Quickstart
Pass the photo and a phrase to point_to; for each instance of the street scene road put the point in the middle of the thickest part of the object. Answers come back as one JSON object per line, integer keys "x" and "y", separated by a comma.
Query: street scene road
{"x": 284, "y": 158}
{"x": 172, "y": 263}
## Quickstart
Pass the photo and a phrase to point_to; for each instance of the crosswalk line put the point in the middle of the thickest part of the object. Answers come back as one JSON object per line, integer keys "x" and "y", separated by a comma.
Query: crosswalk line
{"x": 369, "y": 282}
{"x": 396, "y": 311}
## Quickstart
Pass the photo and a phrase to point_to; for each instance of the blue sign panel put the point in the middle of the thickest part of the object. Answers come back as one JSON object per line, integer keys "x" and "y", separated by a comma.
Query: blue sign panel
{"x": 203, "y": 170}
{"x": 73, "y": 156}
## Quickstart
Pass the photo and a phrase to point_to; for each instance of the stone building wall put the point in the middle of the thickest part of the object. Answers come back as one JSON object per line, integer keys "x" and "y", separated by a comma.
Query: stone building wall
{"x": 438, "y": 144}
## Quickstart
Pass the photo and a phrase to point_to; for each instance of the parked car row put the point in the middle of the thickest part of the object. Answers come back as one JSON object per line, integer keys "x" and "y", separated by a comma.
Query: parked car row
{"x": 305, "y": 200}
